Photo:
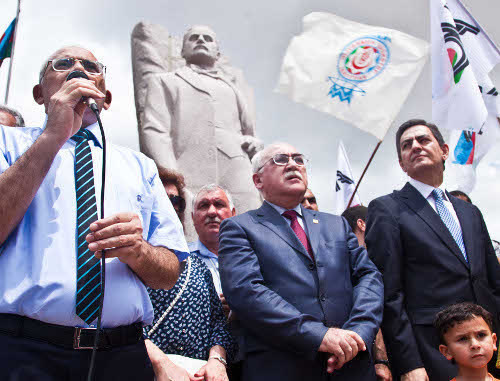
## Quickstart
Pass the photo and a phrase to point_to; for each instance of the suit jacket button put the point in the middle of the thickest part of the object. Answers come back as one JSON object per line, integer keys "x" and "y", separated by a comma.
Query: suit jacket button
{"x": 322, "y": 298}
{"x": 311, "y": 266}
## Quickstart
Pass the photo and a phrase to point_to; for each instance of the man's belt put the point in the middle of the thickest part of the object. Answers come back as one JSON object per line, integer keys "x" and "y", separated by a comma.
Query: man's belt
{"x": 69, "y": 337}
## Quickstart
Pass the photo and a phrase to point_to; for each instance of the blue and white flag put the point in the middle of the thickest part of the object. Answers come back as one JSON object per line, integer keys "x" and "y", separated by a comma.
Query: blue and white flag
{"x": 358, "y": 73}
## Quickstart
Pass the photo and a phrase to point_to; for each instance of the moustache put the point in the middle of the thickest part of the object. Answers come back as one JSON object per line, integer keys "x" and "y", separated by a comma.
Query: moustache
{"x": 210, "y": 220}
{"x": 292, "y": 174}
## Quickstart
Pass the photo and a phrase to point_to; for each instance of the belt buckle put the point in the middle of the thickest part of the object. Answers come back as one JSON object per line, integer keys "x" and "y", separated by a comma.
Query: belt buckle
{"x": 76, "y": 337}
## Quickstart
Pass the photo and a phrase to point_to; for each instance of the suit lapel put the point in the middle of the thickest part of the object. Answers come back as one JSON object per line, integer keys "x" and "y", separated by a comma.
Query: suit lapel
{"x": 270, "y": 218}
{"x": 465, "y": 218}
{"x": 412, "y": 197}
{"x": 192, "y": 78}
{"x": 312, "y": 227}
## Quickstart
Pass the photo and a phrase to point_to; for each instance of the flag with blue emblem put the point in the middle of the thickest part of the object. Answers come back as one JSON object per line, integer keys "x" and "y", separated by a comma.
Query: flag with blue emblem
{"x": 359, "y": 73}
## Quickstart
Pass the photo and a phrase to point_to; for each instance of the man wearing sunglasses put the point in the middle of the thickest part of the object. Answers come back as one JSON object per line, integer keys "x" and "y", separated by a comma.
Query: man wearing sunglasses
{"x": 52, "y": 236}
{"x": 307, "y": 296}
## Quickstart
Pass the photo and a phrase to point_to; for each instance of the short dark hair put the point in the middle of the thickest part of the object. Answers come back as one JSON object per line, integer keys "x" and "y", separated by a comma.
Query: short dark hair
{"x": 353, "y": 214}
{"x": 459, "y": 313}
{"x": 417, "y": 122}
{"x": 458, "y": 193}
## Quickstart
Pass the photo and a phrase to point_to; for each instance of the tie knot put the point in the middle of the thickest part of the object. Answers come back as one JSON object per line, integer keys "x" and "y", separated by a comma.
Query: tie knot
{"x": 290, "y": 214}
{"x": 438, "y": 194}
{"x": 81, "y": 135}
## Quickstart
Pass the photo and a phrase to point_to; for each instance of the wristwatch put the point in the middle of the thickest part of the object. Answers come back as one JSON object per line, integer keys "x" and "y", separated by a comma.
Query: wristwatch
{"x": 383, "y": 362}
{"x": 220, "y": 358}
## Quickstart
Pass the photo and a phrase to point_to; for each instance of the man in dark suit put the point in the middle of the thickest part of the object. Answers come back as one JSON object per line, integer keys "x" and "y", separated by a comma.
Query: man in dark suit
{"x": 308, "y": 297}
{"x": 433, "y": 250}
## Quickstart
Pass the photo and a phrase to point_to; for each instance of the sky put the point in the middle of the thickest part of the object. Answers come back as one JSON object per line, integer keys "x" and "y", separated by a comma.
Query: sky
{"x": 254, "y": 36}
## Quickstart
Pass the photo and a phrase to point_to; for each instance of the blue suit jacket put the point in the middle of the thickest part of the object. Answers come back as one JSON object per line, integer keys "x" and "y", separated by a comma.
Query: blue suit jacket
{"x": 285, "y": 301}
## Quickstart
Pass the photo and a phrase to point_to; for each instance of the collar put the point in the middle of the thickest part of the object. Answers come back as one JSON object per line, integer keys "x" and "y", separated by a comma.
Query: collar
{"x": 201, "y": 249}
{"x": 281, "y": 210}
{"x": 425, "y": 189}
{"x": 212, "y": 72}
{"x": 93, "y": 129}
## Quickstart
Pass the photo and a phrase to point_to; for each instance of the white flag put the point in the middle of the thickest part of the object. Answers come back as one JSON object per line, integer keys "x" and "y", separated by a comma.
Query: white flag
{"x": 358, "y": 73}
{"x": 464, "y": 98}
{"x": 345, "y": 185}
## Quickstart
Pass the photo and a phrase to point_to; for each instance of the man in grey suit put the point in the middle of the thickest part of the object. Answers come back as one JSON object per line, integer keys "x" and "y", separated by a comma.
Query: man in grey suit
{"x": 307, "y": 296}
{"x": 200, "y": 124}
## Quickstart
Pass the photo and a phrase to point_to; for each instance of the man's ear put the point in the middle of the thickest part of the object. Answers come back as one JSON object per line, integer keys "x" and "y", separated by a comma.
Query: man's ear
{"x": 446, "y": 151}
{"x": 402, "y": 166}
{"x": 361, "y": 225}
{"x": 445, "y": 352}
{"x": 494, "y": 338}
{"x": 37, "y": 94}
{"x": 233, "y": 212}
{"x": 107, "y": 100}
{"x": 257, "y": 181}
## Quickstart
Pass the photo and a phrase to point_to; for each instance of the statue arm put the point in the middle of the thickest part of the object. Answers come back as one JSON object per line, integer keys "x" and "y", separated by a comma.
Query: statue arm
{"x": 155, "y": 132}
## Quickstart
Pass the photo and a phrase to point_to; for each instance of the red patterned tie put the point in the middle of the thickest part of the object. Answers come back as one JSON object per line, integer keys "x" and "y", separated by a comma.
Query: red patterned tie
{"x": 299, "y": 231}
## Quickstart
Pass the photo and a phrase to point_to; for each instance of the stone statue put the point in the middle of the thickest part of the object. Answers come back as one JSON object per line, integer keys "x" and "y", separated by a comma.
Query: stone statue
{"x": 198, "y": 119}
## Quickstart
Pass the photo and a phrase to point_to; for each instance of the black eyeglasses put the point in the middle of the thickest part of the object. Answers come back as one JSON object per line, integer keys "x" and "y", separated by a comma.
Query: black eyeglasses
{"x": 177, "y": 202}
{"x": 284, "y": 158}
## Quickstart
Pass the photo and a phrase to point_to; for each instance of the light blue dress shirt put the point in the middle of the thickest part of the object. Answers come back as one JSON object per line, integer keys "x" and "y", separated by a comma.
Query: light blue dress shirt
{"x": 38, "y": 259}
{"x": 300, "y": 217}
{"x": 210, "y": 259}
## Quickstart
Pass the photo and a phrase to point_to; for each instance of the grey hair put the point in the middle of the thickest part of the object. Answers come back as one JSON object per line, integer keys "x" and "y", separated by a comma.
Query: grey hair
{"x": 262, "y": 156}
{"x": 210, "y": 188}
{"x": 16, "y": 114}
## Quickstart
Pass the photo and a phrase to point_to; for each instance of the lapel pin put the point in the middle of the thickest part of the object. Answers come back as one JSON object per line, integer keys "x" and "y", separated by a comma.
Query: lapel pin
{"x": 315, "y": 221}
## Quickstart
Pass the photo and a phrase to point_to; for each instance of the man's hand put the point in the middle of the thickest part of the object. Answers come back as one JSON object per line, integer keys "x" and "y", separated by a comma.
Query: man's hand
{"x": 383, "y": 372}
{"x": 251, "y": 145}
{"x": 225, "y": 306}
{"x": 213, "y": 370}
{"x": 418, "y": 374}
{"x": 343, "y": 344}
{"x": 120, "y": 235}
{"x": 65, "y": 109}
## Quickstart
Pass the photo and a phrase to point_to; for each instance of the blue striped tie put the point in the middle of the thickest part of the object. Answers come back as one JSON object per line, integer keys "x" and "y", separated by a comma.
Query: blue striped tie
{"x": 449, "y": 221}
{"x": 88, "y": 283}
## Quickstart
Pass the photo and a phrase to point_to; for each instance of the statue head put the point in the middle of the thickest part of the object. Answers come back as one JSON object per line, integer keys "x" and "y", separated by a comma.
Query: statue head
{"x": 200, "y": 46}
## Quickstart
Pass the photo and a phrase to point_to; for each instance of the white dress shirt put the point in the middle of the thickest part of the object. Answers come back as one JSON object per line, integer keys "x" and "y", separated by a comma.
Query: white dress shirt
{"x": 426, "y": 191}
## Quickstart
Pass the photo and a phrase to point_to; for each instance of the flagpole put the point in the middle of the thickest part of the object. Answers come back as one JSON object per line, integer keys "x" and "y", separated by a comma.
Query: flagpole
{"x": 363, "y": 174}
{"x": 12, "y": 52}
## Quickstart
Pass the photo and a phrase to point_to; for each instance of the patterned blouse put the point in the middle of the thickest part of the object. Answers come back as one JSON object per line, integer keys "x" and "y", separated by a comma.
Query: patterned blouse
{"x": 196, "y": 323}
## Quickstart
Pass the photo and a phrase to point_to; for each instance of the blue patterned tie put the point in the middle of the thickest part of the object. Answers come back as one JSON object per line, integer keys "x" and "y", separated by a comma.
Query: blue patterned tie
{"x": 88, "y": 284}
{"x": 449, "y": 221}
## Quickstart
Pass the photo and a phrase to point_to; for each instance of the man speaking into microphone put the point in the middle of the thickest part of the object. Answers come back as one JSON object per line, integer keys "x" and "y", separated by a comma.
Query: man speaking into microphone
{"x": 52, "y": 236}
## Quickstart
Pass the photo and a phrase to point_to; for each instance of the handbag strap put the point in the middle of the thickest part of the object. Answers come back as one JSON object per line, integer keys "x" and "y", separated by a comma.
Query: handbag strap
{"x": 172, "y": 303}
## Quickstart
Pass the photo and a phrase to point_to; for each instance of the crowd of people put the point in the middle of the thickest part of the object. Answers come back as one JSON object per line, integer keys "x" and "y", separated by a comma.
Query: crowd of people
{"x": 407, "y": 288}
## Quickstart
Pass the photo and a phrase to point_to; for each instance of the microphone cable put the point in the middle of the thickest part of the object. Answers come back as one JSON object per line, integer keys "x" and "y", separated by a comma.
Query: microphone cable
{"x": 90, "y": 374}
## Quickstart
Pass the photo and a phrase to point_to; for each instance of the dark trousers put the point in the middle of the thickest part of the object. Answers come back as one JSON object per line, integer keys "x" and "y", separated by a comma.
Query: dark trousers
{"x": 26, "y": 359}
{"x": 275, "y": 365}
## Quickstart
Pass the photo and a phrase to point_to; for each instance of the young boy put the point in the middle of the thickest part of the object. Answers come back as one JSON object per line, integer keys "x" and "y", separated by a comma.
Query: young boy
{"x": 465, "y": 332}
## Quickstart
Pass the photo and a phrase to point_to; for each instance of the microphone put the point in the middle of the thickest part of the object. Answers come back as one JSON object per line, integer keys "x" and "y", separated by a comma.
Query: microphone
{"x": 90, "y": 102}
